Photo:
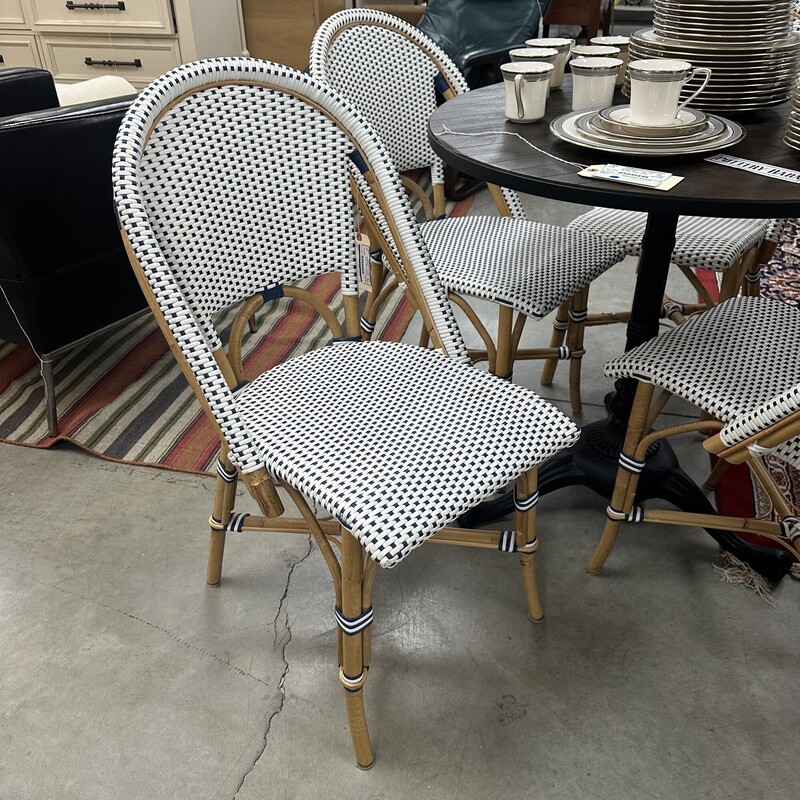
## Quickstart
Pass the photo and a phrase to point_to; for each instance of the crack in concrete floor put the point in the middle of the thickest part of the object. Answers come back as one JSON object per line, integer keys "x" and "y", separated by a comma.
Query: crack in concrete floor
{"x": 286, "y": 635}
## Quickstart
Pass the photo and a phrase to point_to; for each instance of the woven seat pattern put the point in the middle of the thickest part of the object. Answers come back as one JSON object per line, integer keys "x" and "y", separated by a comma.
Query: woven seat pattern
{"x": 701, "y": 242}
{"x": 530, "y": 266}
{"x": 732, "y": 361}
{"x": 394, "y": 440}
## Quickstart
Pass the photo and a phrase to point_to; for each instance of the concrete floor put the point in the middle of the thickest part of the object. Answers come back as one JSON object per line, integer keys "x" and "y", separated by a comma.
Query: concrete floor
{"x": 124, "y": 676}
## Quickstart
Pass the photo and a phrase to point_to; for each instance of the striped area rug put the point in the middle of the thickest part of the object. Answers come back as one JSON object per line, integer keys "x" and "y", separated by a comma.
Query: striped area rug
{"x": 125, "y": 399}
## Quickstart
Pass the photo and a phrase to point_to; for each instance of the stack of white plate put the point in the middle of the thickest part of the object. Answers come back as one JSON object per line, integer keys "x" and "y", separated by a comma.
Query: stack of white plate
{"x": 749, "y": 45}
{"x": 611, "y": 130}
{"x": 792, "y": 137}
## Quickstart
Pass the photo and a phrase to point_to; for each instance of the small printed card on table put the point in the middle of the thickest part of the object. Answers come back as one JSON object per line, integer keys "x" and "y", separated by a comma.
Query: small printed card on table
{"x": 634, "y": 176}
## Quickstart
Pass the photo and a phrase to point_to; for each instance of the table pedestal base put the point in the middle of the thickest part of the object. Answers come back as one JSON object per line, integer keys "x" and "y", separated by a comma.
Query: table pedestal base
{"x": 593, "y": 462}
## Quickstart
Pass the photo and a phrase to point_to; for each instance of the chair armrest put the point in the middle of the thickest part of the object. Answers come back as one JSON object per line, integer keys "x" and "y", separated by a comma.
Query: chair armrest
{"x": 63, "y": 113}
{"x": 25, "y": 89}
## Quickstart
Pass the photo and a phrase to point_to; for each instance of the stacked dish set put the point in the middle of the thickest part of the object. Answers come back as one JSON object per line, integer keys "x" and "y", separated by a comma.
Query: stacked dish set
{"x": 749, "y": 45}
{"x": 610, "y": 129}
{"x": 792, "y": 136}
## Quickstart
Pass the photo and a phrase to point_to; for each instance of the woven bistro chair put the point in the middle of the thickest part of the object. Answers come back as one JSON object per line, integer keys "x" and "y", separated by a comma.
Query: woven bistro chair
{"x": 733, "y": 248}
{"x": 231, "y": 180}
{"x": 394, "y": 74}
{"x": 716, "y": 360}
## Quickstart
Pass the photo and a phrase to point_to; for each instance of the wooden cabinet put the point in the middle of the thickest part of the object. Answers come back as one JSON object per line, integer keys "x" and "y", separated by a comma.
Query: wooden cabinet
{"x": 282, "y": 31}
{"x": 136, "y": 39}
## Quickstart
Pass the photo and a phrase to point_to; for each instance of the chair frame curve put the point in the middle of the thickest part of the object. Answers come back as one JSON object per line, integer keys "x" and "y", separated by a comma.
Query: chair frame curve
{"x": 352, "y": 571}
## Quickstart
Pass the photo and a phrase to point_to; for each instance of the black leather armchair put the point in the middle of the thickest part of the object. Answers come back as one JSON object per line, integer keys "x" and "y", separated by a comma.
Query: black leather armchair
{"x": 64, "y": 275}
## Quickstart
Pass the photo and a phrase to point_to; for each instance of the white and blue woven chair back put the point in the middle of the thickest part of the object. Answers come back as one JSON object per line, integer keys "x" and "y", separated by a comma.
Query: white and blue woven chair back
{"x": 218, "y": 178}
{"x": 231, "y": 178}
{"x": 392, "y": 72}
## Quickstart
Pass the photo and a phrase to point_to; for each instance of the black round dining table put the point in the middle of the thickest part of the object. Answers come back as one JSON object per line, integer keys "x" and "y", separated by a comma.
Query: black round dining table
{"x": 551, "y": 171}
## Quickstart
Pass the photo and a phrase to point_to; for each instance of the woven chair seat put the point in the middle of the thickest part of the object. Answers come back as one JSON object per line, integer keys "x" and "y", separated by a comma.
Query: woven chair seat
{"x": 702, "y": 242}
{"x": 729, "y": 361}
{"x": 527, "y": 265}
{"x": 394, "y": 440}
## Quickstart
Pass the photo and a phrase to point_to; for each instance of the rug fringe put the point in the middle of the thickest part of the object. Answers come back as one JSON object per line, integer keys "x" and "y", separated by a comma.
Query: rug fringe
{"x": 737, "y": 572}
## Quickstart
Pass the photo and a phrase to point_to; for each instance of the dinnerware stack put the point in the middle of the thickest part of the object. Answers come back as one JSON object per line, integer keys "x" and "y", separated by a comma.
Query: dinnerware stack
{"x": 749, "y": 45}
{"x": 792, "y": 136}
{"x": 611, "y": 130}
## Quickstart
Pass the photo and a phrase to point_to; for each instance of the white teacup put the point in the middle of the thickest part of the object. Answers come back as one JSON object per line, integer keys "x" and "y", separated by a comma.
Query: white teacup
{"x": 563, "y": 47}
{"x": 545, "y": 55}
{"x": 527, "y": 84}
{"x": 593, "y": 81}
{"x": 656, "y": 85}
{"x": 595, "y": 51}
{"x": 623, "y": 43}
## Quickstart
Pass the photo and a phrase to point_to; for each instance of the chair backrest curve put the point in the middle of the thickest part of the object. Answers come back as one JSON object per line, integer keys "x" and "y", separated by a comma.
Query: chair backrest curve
{"x": 231, "y": 178}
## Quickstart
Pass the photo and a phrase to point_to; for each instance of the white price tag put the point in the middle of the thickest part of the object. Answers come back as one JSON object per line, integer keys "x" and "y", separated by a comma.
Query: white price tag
{"x": 363, "y": 264}
{"x": 634, "y": 176}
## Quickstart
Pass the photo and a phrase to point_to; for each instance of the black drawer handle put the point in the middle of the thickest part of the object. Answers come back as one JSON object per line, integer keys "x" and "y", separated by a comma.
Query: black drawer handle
{"x": 2, "y": 60}
{"x": 95, "y": 6}
{"x": 90, "y": 62}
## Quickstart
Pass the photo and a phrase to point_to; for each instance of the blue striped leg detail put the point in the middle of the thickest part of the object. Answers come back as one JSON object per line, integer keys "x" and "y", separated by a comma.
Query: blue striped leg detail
{"x": 578, "y": 316}
{"x": 229, "y": 476}
{"x": 235, "y": 524}
{"x": 353, "y": 625}
{"x": 525, "y": 503}
{"x": 508, "y": 543}
{"x": 790, "y": 529}
{"x": 615, "y": 515}
{"x": 630, "y": 464}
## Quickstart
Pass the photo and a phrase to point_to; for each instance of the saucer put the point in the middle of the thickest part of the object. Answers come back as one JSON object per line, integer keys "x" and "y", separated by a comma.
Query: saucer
{"x": 565, "y": 128}
{"x": 587, "y": 125}
{"x": 617, "y": 119}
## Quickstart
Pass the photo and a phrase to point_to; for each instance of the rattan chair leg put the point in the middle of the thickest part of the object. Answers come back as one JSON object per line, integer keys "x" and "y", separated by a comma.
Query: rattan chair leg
{"x": 751, "y": 286}
{"x": 560, "y": 324}
{"x": 370, "y": 573}
{"x": 378, "y": 276}
{"x": 526, "y": 496}
{"x": 657, "y": 407}
{"x": 224, "y": 499}
{"x": 732, "y": 278}
{"x": 505, "y": 323}
{"x": 516, "y": 335}
{"x": 353, "y": 673}
{"x": 720, "y": 468}
{"x": 622, "y": 499}
{"x": 575, "y": 333}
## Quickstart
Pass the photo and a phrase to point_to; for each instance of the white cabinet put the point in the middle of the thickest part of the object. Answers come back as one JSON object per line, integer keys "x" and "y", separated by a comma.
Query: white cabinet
{"x": 136, "y": 39}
